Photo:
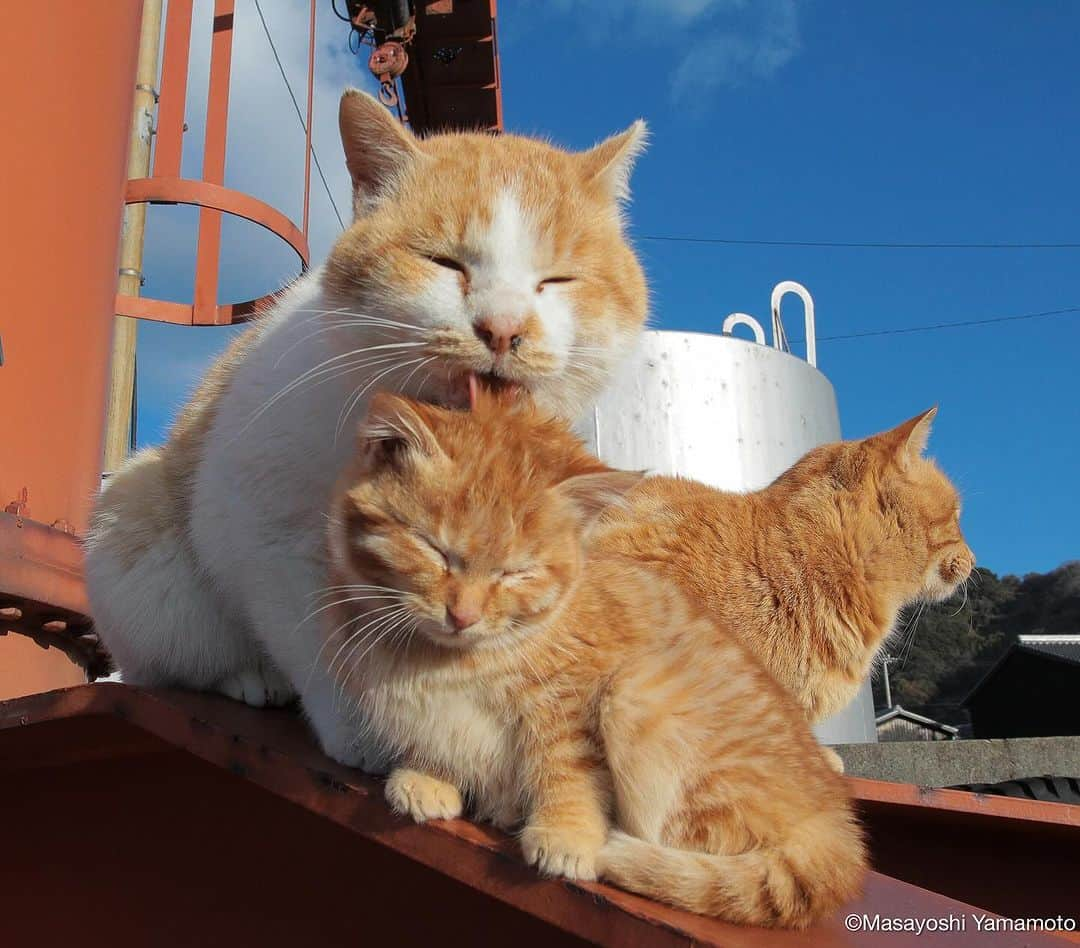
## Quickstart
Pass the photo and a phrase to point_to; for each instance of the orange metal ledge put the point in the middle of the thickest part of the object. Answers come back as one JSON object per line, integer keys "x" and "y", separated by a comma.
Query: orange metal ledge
{"x": 183, "y": 814}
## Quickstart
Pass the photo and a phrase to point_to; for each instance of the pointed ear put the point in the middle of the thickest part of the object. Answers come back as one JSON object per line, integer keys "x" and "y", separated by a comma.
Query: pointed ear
{"x": 394, "y": 426}
{"x": 612, "y": 160}
{"x": 908, "y": 441}
{"x": 594, "y": 493}
{"x": 378, "y": 149}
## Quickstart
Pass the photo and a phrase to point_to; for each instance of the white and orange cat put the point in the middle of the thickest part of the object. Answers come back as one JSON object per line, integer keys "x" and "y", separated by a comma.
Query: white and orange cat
{"x": 582, "y": 697}
{"x": 469, "y": 255}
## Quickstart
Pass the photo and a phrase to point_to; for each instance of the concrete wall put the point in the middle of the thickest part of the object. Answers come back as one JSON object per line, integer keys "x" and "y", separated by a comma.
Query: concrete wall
{"x": 947, "y": 763}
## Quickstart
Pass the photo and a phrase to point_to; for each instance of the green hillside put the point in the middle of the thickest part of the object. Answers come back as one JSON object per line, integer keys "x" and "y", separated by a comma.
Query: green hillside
{"x": 952, "y": 645}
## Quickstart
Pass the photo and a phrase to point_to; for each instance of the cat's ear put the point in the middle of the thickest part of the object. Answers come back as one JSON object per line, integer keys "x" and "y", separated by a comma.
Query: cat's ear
{"x": 908, "y": 441}
{"x": 612, "y": 160}
{"x": 394, "y": 426}
{"x": 594, "y": 493}
{"x": 378, "y": 148}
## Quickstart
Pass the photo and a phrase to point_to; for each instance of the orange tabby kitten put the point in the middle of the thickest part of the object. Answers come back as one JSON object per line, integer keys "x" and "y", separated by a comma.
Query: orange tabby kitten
{"x": 581, "y": 696}
{"x": 812, "y": 571}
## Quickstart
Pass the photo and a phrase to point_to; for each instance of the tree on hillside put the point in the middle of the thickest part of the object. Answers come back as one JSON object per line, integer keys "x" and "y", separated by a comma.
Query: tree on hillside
{"x": 941, "y": 656}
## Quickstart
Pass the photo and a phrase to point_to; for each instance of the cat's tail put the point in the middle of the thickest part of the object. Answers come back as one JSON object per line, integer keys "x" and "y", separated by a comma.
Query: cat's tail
{"x": 790, "y": 887}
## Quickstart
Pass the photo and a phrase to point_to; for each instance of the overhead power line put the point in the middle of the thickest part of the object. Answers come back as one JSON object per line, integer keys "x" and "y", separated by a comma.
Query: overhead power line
{"x": 299, "y": 113}
{"x": 870, "y": 245}
{"x": 957, "y": 325}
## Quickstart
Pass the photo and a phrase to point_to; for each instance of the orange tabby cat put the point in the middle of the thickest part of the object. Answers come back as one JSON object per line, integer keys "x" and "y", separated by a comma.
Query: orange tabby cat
{"x": 812, "y": 571}
{"x": 581, "y": 696}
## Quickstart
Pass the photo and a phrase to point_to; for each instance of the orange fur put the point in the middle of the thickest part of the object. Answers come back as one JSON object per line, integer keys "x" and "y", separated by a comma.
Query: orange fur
{"x": 812, "y": 571}
{"x": 633, "y": 736}
{"x": 435, "y": 199}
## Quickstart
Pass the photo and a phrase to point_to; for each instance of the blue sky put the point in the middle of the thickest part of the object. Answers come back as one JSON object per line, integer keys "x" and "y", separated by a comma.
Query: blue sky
{"x": 771, "y": 120}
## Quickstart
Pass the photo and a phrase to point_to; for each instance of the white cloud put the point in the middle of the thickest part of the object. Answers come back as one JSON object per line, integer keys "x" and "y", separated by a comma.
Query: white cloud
{"x": 761, "y": 39}
{"x": 722, "y": 42}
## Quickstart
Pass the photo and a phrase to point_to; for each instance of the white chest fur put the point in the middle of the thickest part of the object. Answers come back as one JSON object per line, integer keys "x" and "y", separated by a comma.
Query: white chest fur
{"x": 439, "y": 723}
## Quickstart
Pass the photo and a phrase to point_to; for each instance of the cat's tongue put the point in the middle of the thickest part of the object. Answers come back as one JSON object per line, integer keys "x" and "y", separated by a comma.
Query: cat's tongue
{"x": 499, "y": 387}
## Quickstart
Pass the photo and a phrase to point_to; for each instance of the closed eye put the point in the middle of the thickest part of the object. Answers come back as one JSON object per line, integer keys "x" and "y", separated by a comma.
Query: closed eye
{"x": 519, "y": 574}
{"x": 547, "y": 281}
{"x": 433, "y": 547}
{"x": 448, "y": 263}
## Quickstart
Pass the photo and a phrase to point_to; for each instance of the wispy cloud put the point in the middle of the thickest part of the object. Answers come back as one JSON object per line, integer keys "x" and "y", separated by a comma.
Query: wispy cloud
{"x": 750, "y": 42}
{"x": 715, "y": 43}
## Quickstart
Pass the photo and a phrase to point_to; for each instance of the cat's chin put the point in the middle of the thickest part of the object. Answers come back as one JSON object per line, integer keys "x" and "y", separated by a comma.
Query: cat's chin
{"x": 939, "y": 591}
{"x": 450, "y": 640}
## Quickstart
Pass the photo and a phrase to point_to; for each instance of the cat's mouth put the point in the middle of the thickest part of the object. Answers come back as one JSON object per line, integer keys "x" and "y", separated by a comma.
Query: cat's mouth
{"x": 463, "y": 389}
{"x": 492, "y": 383}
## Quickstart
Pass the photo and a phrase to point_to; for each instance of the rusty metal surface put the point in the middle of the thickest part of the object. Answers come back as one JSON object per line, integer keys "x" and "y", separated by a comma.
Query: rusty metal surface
{"x": 452, "y": 80}
{"x": 61, "y": 189}
{"x": 209, "y": 194}
{"x": 907, "y": 796}
{"x": 1017, "y": 857}
{"x": 41, "y": 563}
{"x": 272, "y": 751}
{"x": 43, "y": 597}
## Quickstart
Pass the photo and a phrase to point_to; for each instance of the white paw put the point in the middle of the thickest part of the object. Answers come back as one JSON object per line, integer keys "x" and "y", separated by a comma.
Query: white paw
{"x": 279, "y": 690}
{"x": 422, "y": 797}
{"x": 259, "y": 688}
{"x": 560, "y": 852}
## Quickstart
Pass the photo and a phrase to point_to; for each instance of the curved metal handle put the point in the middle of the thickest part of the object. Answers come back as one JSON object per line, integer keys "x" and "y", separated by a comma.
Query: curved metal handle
{"x": 742, "y": 319}
{"x": 779, "y": 335}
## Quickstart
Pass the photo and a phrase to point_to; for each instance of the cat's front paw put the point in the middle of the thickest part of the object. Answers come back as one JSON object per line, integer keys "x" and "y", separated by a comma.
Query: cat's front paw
{"x": 560, "y": 851}
{"x": 422, "y": 797}
{"x": 258, "y": 687}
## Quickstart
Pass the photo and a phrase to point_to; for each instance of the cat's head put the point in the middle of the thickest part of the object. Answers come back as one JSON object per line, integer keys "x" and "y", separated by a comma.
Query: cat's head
{"x": 501, "y": 256}
{"x": 901, "y": 513}
{"x": 473, "y": 521}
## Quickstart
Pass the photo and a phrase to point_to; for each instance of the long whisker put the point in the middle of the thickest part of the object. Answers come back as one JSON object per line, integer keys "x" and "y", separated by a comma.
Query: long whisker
{"x": 358, "y": 395}
{"x": 373, "y": 624}
{"x": 380, "y": 616}
{"x": 342, "y": 602}
{"x": 350, "y": 587}
{"x": 405, "y": 384}
{"x": 324, "y": 371}
{"x": 389, "y": 625}
{"x": 380, "y": 320}
{"x": 330, "y": 638}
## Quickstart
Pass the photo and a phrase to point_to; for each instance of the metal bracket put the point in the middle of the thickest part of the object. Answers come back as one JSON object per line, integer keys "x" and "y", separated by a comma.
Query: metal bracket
{"x": 131, "y": 272}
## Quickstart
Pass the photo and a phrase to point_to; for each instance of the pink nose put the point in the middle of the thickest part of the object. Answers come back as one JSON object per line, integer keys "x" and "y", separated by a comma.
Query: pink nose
{"x": 500, "y": 334}
{"x": 462, "y": 616}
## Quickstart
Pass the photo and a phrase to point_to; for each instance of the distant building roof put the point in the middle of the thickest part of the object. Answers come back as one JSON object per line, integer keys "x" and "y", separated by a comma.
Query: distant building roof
{"x": 1063, "y": 648}
{"x": 1030, "y": 691}
{"x": 896, "y": 711}
{"x": 1066, "y": 647}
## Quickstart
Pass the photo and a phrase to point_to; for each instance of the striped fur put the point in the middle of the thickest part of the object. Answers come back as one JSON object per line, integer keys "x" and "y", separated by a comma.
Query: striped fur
{"x": 585, "y": 695}
{"x": 205, "y": 556}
